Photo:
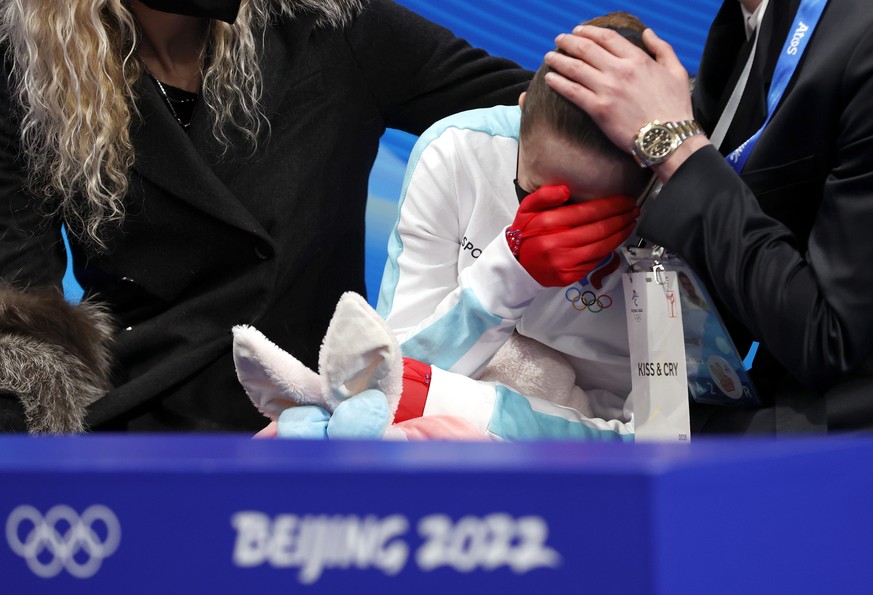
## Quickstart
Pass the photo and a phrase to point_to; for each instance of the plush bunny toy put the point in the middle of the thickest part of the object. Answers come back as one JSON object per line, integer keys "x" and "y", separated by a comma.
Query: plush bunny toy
{"x": 356, "y": 391}
{"x": 362, "y": 376}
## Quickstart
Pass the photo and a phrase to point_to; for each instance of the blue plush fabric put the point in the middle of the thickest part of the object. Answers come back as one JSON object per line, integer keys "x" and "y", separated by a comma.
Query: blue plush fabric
{"x": 364, "y": 416}
{"x": 306, "y": 422}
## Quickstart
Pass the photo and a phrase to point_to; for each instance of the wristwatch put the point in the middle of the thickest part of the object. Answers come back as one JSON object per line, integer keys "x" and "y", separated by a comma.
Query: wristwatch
{"x": 656, "y": 141}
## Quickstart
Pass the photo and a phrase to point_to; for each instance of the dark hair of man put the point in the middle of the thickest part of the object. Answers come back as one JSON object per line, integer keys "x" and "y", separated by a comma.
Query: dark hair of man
{"x": 544, "y": 107}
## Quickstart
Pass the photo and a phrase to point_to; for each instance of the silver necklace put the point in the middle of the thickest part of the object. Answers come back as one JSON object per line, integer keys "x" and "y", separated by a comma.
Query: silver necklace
{"x": 169, "y": 102}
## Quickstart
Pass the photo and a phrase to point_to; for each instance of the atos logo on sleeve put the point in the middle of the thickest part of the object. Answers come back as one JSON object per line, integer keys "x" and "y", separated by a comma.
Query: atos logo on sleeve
{"x": 62, "y": 539}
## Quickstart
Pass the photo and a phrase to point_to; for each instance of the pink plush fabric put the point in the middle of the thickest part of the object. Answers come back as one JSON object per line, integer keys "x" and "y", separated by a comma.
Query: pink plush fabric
{"x": 269, "y": 431}
{"x": 440, "y": 427}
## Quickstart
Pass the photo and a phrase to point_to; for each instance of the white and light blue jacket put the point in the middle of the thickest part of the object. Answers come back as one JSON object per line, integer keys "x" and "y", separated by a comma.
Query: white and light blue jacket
{"x": 454, "y": 293}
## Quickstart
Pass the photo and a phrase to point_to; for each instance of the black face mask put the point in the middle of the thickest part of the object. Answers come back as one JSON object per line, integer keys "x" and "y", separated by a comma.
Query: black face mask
{"x": 223, "y": 10}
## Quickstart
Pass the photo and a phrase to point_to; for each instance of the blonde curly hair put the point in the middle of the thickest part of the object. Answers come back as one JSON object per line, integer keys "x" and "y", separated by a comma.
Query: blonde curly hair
{"x": 74, "y": 65}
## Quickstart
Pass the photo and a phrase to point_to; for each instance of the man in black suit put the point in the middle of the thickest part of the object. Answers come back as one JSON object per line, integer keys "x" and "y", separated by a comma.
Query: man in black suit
{"x": 782, "y": 239}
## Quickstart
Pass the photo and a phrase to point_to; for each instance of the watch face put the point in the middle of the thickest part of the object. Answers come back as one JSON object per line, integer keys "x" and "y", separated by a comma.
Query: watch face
{"x": 657, "y": 142}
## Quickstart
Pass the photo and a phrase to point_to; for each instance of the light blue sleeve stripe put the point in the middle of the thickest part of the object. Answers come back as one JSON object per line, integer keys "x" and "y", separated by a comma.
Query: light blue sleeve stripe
{"x": 514, "y": 419}
{"x": 446, "y": 341}
{"x": 500, "y": 120}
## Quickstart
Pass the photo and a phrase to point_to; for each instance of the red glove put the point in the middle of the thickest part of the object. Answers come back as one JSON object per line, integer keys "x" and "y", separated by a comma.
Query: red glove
{"x": 559, "y": 244}
{"x": 416, "y": 385}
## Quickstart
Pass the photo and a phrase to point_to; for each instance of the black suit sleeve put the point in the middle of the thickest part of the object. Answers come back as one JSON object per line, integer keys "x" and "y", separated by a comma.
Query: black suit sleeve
{"x": 807, "y": 299}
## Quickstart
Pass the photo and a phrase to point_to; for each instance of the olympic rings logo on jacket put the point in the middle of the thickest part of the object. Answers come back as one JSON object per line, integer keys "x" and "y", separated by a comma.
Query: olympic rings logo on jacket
{"x": 587, "y": 300}
{"x": 70, "y": 540}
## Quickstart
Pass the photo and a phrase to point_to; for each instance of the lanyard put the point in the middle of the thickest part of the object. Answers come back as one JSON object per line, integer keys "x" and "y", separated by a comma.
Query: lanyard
{"x": 808, "y": 15}
{"x": 730, "y": 109}
{"x": 805, "y": 21}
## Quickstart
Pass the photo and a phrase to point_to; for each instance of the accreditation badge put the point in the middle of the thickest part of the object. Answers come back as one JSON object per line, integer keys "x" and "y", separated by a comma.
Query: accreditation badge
{"x": 657, "y": 353}
{"x": 715, "y": 371}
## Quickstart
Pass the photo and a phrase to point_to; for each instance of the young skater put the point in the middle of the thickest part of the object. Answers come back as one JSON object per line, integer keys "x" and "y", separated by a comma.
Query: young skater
{"x": 502, "y": 267}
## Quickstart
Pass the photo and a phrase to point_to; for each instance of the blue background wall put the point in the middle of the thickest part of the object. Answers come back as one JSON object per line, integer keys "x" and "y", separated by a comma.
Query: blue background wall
{"x": 522, "y": 30}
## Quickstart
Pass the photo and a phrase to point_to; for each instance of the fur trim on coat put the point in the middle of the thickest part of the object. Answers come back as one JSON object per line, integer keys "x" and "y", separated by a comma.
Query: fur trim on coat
{"x": 54, "y": 357}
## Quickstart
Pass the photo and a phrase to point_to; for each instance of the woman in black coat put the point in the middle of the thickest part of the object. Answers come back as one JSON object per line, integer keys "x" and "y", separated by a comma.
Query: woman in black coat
{"x": 210, "y": 160}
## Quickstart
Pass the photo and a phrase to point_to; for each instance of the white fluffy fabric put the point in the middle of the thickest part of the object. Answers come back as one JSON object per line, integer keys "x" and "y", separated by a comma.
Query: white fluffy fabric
{"x": 360, "y": 352}
{"x": 273, "y": 378}
{"x": 536, "y": 370}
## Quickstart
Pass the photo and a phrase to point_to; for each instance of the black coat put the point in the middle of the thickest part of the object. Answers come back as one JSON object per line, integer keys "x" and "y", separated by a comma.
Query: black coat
{"x": 272, "y": 240}
{"x": 786, "y": 247}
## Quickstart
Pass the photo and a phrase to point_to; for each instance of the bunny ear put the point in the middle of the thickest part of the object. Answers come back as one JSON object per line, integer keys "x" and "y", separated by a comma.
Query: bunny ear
{"x": 273, "y": 378}
{"x": 360, "y": 352}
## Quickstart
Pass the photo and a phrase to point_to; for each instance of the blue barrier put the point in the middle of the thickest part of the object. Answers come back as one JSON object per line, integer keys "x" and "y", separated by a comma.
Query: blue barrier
{"x": 228, "y": 514}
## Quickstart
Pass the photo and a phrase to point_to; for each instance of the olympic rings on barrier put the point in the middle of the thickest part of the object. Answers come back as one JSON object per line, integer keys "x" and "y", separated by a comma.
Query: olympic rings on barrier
{"x": 71, "y": 541}
{"x": 587, "y": 300}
